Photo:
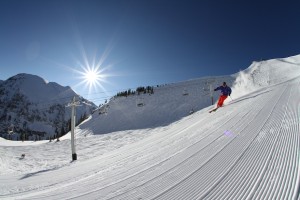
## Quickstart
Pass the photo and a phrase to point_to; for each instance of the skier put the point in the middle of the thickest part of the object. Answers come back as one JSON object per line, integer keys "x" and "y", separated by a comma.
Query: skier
{"x": 225, "y": 92}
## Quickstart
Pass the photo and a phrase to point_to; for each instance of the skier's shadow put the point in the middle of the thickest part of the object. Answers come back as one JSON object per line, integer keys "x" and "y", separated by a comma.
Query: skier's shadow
{"x": 38, "y": 172}
{"x": 250, "y": 97}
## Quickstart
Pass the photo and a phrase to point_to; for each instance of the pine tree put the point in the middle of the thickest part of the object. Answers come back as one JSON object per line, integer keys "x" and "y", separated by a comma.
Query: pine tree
{"x": 23, "y": 137}
{"x": 62, "y": 131}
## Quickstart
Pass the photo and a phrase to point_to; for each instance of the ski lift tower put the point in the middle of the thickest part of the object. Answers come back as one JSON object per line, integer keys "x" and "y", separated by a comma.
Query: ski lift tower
{"x": 210, "y": 83}
{"x": 10, "y": 129}
{"x": 73, "y": 104}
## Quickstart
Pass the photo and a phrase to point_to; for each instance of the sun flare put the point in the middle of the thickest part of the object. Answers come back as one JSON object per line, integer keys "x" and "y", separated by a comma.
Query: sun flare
{"x": 92, "y": 72}
{"x": 92, "y": 76}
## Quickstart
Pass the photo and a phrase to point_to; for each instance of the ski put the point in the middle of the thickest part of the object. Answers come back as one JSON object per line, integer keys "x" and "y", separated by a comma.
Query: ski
{"x": 213, "y": 110}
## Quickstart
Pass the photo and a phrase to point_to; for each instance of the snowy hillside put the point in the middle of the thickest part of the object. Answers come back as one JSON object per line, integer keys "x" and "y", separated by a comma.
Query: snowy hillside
{"x": 265, "y": 73}
{"x": 249, "y": 149}
{"x": 32, "y": 108}
{"x": 168, "y": 104}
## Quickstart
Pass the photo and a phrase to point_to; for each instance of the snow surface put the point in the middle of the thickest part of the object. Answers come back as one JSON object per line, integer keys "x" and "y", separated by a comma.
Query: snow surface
{"x": 249, "y": 149}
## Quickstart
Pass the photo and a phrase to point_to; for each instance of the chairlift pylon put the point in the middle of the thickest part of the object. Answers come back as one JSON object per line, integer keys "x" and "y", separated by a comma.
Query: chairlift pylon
{"x": 103, "y": 110}
{"x": 140, "y": 102}
{"x": 206, "y": 89}
{"x": 10, "y": 129}
{"x": 185, "y": 92}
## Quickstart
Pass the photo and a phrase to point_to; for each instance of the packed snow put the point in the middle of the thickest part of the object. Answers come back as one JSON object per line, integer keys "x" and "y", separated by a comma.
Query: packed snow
{"x": 248, "y": 149}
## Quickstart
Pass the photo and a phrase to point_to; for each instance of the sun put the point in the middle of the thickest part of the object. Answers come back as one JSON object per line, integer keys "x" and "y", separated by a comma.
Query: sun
{"x": 92, "y": 76}
{"x": 92, "y": 72}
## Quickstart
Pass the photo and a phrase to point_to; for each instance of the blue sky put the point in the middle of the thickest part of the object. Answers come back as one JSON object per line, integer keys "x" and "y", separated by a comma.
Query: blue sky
{"x": 139, "y": 42}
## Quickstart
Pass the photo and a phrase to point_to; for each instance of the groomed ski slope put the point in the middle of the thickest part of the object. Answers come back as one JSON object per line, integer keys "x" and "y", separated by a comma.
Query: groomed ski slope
{"x": 249, "y": 149}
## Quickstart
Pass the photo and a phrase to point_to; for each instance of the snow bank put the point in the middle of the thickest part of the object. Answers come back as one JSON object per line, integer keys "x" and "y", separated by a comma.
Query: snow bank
{"x": 265, "y": 73}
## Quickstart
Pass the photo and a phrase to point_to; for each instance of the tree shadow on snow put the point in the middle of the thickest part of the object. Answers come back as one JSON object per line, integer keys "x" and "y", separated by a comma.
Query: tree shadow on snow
{"x": 35, "y": 173}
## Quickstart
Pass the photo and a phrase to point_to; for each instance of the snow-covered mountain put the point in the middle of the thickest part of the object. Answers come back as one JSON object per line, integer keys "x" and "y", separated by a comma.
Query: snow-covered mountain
{"x": 32, "y": 108}
{"x": 249, "y": 149}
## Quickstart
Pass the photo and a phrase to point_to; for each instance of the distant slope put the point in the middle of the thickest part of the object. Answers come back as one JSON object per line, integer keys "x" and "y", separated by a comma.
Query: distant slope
{"x": 32, "y": 108}
{"x": 169, "y": 103}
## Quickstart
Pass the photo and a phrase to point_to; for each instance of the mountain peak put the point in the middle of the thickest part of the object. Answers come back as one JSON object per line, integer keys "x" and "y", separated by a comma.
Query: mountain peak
{"x": 36, "y": 88}
{"x": 28, "y": 77}
{"x": 31, "y": 104}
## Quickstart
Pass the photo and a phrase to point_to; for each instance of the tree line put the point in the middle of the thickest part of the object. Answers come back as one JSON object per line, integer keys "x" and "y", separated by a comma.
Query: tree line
{"x": 138, "y": 91}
